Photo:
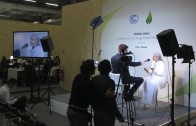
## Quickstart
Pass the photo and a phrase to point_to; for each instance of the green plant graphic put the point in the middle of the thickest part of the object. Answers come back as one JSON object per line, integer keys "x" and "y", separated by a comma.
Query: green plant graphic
{"x": 149, "y": 18}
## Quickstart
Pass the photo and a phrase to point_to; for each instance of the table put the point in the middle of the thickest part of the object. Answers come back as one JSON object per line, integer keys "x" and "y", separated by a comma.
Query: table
{"x": 18, "y": 73}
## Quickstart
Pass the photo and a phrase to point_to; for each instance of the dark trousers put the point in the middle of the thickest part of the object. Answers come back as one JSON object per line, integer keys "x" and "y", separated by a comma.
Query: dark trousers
{"x": 77, "y": 118}
{"x": 136, "y": 81}
{"x": 103, "y": 118}
{"x": 20, "y": 104}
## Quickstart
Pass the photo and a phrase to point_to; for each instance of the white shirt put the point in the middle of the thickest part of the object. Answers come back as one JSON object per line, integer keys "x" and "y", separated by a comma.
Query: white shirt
{"x": 158, "y": 68}
{"x": 37, "y": 51}
{"x": 5, "y": 95}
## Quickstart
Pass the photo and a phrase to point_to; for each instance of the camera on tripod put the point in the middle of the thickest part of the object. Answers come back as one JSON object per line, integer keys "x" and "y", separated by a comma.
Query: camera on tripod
{"x": 125, "y": 60}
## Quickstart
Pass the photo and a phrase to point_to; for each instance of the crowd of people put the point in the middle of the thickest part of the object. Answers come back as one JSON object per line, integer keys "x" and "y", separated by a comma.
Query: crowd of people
{"x": 29, "y": 66}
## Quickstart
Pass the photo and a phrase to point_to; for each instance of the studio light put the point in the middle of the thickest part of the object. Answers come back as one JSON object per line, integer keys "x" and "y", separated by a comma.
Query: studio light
{"x": 95, "y": 22}
{"x": 186, "y": 52}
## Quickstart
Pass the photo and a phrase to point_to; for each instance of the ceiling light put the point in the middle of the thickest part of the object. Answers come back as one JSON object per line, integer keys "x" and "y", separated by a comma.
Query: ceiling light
{"x": 1, "y": 15}
{"x": 30, "y": 1}
{"x": 51, "y": 4}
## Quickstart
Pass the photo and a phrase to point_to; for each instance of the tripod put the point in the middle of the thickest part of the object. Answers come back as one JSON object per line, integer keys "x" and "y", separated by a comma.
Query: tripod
{"x": 48, "y": 89}
{"x": 129, "y": 103}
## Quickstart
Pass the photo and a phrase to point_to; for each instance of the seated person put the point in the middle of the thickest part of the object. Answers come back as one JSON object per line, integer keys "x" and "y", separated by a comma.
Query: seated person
{"x": 156, "y": 78}
{"x": 16, "y": 102}
{"x": 104, "y": 106}
{"x": 120, "y": 65}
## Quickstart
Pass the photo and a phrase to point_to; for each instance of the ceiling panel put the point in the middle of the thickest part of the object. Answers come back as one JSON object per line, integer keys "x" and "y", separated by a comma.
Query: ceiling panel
{"x": 38, "y": 12}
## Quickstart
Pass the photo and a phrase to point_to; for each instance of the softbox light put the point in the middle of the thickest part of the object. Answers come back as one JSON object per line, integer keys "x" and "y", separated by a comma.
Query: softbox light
{"x": 47, "y": 43}
{"x": 95, "y": 22}
{"x": 186, "y": 52}
{"x": 168, "y": 42}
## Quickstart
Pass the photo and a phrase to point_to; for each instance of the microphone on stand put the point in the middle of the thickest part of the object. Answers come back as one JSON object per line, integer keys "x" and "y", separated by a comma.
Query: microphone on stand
{"x": 25, "y": 46}
{"x": 17, "y": 52}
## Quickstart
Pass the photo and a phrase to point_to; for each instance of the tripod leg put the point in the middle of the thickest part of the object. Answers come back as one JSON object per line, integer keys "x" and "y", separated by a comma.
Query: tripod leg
{"x": 127, "y": 114}
{"x": 52, "y": 92}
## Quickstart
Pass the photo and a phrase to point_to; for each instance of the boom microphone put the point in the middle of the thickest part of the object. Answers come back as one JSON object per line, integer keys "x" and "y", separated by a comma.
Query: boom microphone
{"x": 147, "y": 60}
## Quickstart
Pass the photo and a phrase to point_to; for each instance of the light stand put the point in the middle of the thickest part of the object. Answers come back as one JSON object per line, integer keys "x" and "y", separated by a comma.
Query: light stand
{"x": 38, "y": 86}
{"x": 172, "y": 123}
{"x": 169, "y": 47}
{"x": 187, "y": 53}
{"x": 95, "y": 22}
{"x": 49, "y": 87}
{"x": 47, "y": 45}
{"x": 189, "y": 97}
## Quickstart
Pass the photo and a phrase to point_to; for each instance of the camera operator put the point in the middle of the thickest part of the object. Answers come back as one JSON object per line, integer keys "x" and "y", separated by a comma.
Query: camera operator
{"x": 105, "y": 108}
{"x": 120, "y": 65}
{"x": 80, "y": 98}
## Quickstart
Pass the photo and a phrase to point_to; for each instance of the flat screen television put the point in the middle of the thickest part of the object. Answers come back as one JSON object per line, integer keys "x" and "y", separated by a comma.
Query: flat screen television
{"x": 27, "y": 44}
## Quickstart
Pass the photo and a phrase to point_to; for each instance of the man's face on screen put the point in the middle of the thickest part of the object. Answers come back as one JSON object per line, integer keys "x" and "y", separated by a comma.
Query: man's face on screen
{"x": 33, "y": 41}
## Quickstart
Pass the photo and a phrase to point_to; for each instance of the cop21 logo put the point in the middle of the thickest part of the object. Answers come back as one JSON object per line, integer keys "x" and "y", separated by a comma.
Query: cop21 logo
{"x": 135, "y": 18}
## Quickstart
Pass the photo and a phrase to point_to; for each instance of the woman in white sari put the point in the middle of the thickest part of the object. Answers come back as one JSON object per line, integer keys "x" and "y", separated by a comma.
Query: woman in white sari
{"x": 156, "y": 78}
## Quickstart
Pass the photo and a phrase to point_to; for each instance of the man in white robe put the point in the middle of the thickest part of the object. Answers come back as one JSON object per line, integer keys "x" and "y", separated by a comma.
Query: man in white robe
{"x": 156, "y": 78}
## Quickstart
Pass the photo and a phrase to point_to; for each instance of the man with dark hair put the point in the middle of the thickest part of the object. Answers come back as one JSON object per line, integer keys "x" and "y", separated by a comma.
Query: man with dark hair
{"x": 17, "y": 102}
{"x": 105, "y": 108}
{"x": 80, "y": 95}
{"x": 120, "y": 65}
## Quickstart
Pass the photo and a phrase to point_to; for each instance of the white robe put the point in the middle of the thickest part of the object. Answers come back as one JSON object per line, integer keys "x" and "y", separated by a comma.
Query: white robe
{"x": 150, "y": 85}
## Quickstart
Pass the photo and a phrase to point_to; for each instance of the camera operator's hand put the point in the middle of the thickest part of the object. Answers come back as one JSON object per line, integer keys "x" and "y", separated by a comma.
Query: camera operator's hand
{"x": 142, "y": 62}
{"x": 109, "y": 93}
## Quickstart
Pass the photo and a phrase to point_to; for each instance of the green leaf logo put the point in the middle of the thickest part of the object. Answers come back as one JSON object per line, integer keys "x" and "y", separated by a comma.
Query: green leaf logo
{"x": 149, "y": 18}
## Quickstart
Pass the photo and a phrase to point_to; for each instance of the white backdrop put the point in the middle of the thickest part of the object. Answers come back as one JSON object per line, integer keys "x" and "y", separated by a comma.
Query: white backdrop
{"x": 137, "y": 22}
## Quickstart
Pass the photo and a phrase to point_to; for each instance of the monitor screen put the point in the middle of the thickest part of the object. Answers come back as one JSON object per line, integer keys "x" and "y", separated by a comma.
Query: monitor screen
{"x": 27, "y": 44}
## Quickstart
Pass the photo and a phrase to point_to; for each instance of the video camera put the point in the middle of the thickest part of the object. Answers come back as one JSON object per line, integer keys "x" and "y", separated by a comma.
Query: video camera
{"x": 127, "y": 53}
{"x": 126, "y": 57}
{"x": 125, "y": 60}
